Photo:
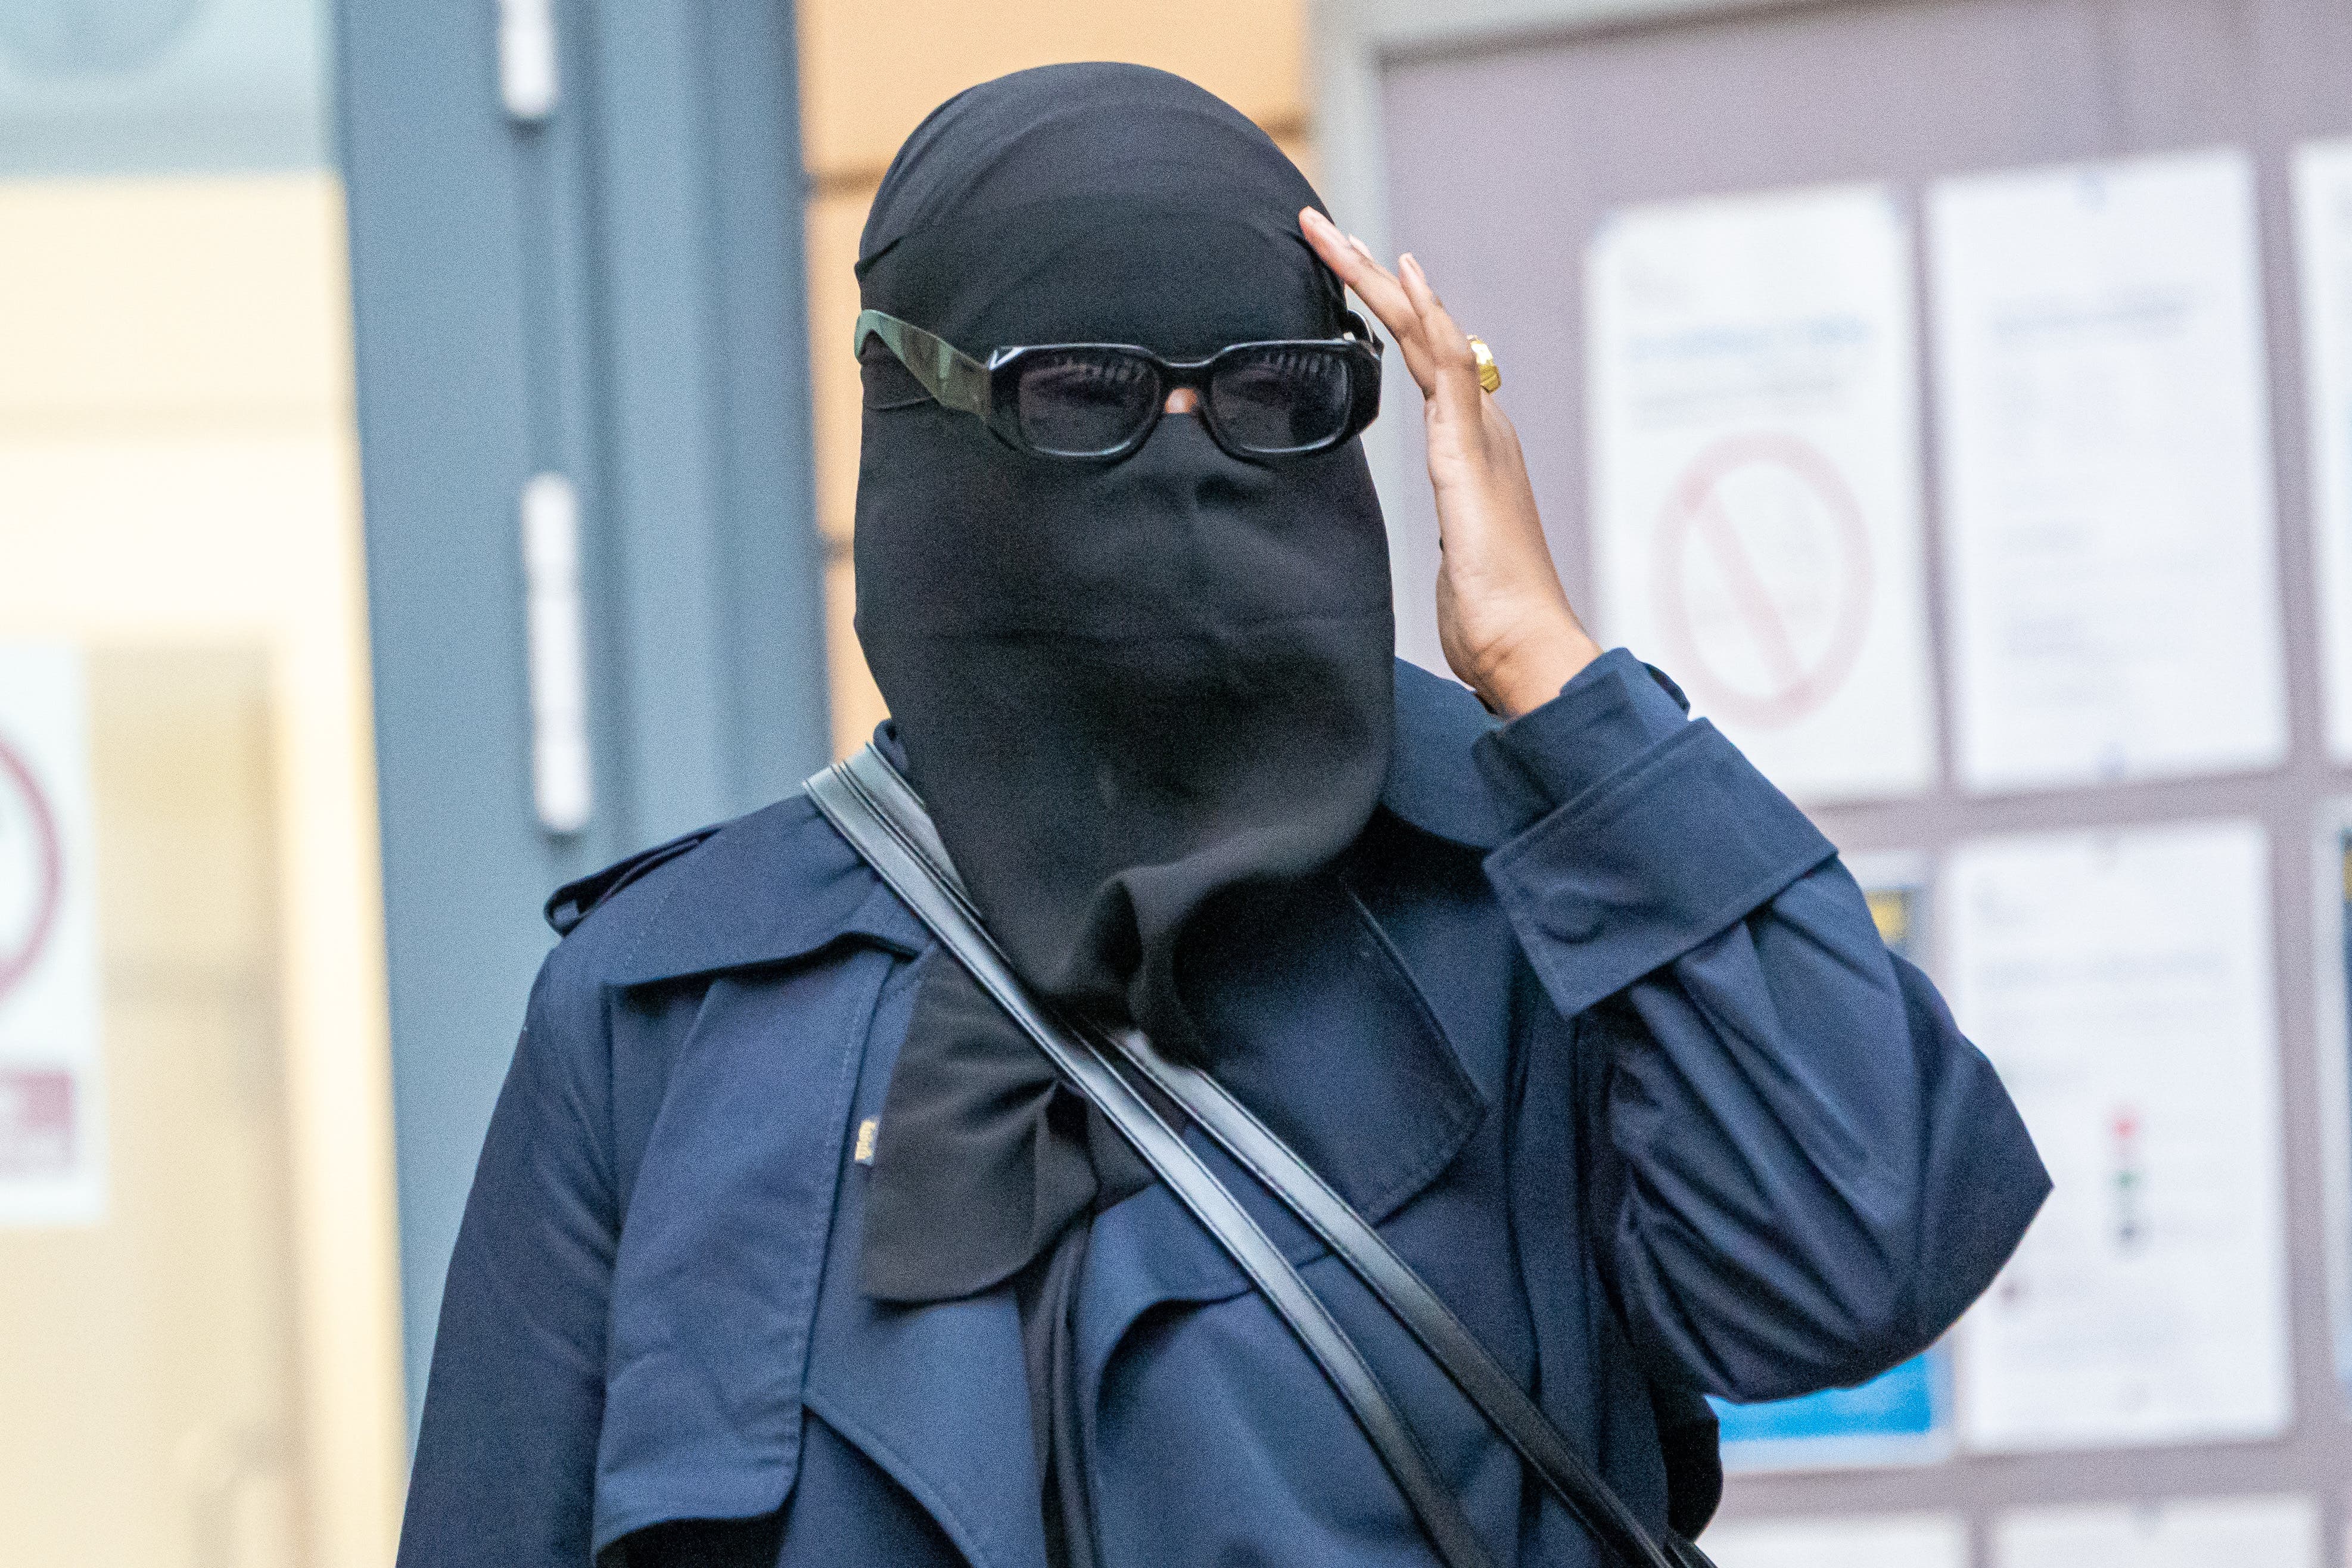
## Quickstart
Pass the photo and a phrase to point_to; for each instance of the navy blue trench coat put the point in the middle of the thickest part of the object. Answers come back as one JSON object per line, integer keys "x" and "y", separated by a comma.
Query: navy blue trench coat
{"x": 1602, "y": 1036}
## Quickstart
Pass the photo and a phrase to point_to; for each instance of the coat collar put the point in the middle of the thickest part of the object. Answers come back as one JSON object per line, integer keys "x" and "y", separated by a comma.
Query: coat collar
{"x": 766, "y": 889}
{"x": 1433, "y": 782}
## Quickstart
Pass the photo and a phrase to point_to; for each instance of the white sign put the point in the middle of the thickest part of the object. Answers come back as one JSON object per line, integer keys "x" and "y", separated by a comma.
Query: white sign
{"x": 1909, "y": 1541}
{"x": 1756, "y": 487}
{"x": 2122, "y": 984}
{"x": 52, "y": 1154}
{"x": 2270, "y": 1532}
{"x": 2106, "y": 468}
{"x": 2322, "y": 231}
{"x": 2332, "y": 967}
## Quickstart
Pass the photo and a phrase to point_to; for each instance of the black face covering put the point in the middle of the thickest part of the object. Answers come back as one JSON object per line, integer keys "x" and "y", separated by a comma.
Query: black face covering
{"x": 1124, "y": 690}
{"x": 1120, "y": 688}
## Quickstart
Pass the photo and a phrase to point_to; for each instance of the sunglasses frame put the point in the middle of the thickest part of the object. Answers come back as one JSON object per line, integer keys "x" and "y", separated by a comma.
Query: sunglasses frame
{"x": 989, "y": 391}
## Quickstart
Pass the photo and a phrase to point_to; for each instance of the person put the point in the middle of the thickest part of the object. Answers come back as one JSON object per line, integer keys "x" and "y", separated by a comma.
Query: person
{"x": 786, "y": 1247}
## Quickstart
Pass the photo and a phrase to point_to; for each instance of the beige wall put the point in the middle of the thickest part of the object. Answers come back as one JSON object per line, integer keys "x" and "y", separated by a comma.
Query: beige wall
{"x": 871, "y": 70}
{"x": 178, "y": 469}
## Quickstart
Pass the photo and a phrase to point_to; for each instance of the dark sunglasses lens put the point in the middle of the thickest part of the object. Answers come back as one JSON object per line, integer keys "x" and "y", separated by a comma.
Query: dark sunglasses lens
{"x": 1281, "y": 399}
{"x": 1082, "y": 402}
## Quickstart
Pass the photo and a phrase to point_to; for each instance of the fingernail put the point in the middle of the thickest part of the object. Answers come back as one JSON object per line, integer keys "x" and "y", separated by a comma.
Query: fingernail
{"x": 1359, "y": 245}
{"x": 1407, "y": 260}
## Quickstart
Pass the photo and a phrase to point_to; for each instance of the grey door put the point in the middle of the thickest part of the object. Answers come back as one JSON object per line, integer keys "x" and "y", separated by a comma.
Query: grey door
{"x": 577, "y": 265}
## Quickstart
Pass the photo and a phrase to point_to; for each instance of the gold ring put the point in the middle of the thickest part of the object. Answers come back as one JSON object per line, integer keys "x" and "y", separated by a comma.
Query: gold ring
{"x": 1490, "y": 375}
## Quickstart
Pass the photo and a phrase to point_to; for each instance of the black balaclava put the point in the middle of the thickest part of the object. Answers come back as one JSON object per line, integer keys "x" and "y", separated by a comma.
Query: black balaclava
{"x": 1122, "y": 690}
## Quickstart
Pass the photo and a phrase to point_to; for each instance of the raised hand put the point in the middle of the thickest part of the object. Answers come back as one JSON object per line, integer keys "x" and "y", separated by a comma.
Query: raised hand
{"x": 1503, "y": 618}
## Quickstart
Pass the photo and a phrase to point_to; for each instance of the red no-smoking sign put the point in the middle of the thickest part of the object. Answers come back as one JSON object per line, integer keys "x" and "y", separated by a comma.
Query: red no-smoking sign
{"x": 32, "y": 869}
{"x": 1763, "y": 578}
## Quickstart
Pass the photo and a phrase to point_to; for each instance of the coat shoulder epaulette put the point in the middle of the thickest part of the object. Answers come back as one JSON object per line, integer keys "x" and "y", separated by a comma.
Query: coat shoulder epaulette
{"x": 570, "y": 903}
{"x": 1666, "y": 684}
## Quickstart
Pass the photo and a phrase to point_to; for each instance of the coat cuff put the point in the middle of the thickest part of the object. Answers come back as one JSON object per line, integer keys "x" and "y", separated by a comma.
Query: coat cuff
{"x": 1645, "y": 864}
{"x": 1614, "y": 710}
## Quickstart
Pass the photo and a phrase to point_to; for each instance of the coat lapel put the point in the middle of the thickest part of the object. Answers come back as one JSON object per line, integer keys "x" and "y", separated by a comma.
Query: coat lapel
{"x": 750, "y": 1169}
{"x": 1323, "y": 1031}
{"x": 732, "y": 1102}
{"x": 1318, "y": 1026}
{"x": 936, "y": 1395}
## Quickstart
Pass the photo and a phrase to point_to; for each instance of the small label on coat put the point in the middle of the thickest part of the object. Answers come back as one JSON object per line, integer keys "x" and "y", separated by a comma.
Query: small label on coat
{"x": 868, "y": 1130}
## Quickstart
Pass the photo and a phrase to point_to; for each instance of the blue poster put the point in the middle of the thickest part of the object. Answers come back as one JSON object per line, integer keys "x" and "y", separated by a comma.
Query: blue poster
{"x": 1901, "y": 1416}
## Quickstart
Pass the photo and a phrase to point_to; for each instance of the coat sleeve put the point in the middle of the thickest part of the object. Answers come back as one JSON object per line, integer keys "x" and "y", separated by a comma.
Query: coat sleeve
{"x": 505, "y": 1455}
{"x": 1799, "y": 1173}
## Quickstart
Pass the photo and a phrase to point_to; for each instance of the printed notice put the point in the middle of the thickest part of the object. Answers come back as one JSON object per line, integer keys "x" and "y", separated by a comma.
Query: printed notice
{"x": 2274, "y": 1531}
{"x": 1903, "y": 1417}
{"x": 52, "y": 1168}
{"x": 2323, "y": 232}
{"x": 2121, "y": 983}
{"x": 1756, "y": 489}
{"x": 2104, "y": 445}
{"x": 1912, "y": 1541}
{"x": 2333, "y": 970}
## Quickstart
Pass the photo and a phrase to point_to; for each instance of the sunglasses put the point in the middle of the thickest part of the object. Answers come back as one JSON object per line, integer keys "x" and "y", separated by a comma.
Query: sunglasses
{"x": 1096, "y": 403}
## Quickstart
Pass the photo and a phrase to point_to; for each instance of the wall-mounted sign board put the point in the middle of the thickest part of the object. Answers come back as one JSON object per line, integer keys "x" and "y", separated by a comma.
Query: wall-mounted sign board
{"x": 2104, "y": 438}
{"x": 52, "y": 1123}
{"x": 2323, "y": 237}
{"x": 1756, "y": 490}
{"x": 1912, "y": 1541}
{"x": 2275, "y": 1531}
{"x": 2121, "y": 982}
{"x": 2332, "y": 970}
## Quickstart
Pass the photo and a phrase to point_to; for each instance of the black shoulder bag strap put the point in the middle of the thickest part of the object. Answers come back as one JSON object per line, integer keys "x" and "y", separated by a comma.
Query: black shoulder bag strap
{"x": 884, "y": 820}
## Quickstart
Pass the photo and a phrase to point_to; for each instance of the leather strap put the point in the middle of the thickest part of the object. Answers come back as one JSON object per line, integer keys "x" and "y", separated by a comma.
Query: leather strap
{"x": 866, "y": 800}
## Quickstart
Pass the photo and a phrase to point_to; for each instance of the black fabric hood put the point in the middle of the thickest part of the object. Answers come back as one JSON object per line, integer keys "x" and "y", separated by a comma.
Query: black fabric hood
{"x": 1125, "y": 690}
